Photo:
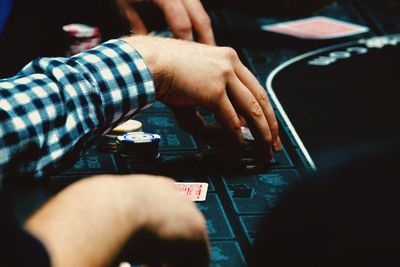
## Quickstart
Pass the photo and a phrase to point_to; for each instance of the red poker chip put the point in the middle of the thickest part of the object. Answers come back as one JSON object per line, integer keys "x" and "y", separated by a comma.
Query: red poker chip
{"x": 81, "y": 30}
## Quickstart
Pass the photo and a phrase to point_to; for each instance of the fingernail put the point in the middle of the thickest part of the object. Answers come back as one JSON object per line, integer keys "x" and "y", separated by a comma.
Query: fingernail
{"x": 277, "y": 145}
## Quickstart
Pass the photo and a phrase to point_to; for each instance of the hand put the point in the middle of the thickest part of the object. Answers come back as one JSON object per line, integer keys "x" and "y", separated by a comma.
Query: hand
{"x": 189, "y": 74}
{"x": 90, "y": 222}
{"x": 182, "y": 16}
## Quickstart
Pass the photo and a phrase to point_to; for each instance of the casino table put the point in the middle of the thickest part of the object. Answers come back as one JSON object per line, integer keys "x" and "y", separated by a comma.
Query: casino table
{"x": 238, "y": 199}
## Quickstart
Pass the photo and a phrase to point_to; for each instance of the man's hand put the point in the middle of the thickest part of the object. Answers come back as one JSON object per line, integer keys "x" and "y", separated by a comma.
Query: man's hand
{"x": 182, "y": 16}
{"x": 189, "y": 74}
{"x": 90, "y": 222}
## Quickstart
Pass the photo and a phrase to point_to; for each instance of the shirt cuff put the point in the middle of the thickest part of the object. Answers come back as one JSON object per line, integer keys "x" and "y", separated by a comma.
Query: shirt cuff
{"x": 124, "y": 82}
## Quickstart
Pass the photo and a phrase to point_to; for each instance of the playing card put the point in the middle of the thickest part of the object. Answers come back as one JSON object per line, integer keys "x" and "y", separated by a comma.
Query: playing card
{"x": 193, "y": 191}
{"x": 318, "y": 27}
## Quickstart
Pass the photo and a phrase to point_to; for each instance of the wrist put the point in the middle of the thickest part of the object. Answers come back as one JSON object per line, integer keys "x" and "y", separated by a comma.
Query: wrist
{"x": 155, "y": 57}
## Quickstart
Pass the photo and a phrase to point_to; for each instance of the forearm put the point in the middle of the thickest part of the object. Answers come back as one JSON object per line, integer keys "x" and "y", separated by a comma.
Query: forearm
{"x": 56, "y": 106}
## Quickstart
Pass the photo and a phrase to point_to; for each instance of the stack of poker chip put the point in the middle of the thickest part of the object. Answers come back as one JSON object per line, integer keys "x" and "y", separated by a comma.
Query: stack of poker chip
{"x": 81, "y": 37}
{"x": 138, "y": 147}
{"x": 108, "y": 142}
{"x": 250, "y": 153}
{"x": 221, "y": 151}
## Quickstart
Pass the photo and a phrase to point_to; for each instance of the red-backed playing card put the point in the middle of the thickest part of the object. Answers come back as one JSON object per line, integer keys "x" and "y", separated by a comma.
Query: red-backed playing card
{"x": 193, "y": 191}
{"x": 318, "y": 27}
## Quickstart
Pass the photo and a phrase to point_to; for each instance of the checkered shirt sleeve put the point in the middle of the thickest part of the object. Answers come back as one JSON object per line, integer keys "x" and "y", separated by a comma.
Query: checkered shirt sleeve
{"x": 55, "y": 107}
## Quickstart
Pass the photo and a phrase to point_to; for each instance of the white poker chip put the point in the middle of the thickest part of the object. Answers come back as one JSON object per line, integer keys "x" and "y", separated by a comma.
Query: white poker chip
{"x": 128, "y": 126}
{"x": 108, "y": 142}
{"x": 138, "y": 138}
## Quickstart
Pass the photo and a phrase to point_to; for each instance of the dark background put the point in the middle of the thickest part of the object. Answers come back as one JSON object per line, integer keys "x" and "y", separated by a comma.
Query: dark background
{"x": 239, "y": 202}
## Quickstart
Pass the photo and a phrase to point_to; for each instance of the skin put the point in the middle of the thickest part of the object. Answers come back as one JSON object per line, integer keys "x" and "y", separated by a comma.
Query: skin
{"x": 213, "y": 78}
{"x": 146, "y": 213}
{"x": 182, "y": 16}
{"x": 115, "y": 210}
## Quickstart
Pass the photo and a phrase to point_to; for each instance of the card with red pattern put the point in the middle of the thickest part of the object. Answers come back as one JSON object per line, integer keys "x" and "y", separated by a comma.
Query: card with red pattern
{"x": 193, "y": 191}
{"x": 318, "y": 27}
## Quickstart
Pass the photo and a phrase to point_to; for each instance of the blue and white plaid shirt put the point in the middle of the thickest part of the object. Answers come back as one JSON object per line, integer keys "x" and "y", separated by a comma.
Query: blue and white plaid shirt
{"x": 54, "y": 107}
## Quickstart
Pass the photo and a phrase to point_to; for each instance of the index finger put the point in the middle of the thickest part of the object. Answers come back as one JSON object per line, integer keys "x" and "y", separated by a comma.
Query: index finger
{"x": 247, "y": 105}
{"x": 251, "y": 82}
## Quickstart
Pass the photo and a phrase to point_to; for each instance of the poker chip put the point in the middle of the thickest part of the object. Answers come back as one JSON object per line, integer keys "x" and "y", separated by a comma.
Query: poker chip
{"x": 138, "y": 146}
{"x": 81, "y": 37}
{"x": 247, "y": 136}
{"x": 163, "y": 33}
{"x": 248, "y": 155}
{"x": 251, "y": 157}
{"x": 128, "y": 126}
{"x": 81, "y": 30}
{"x": 108, "y": 142}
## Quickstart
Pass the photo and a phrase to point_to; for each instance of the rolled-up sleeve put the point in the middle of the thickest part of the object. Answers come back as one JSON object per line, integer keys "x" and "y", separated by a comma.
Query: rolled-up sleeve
{"x": 55, "y": 107}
